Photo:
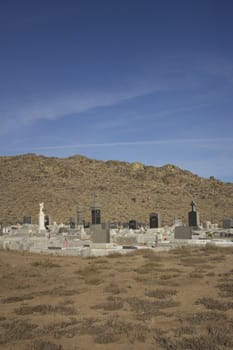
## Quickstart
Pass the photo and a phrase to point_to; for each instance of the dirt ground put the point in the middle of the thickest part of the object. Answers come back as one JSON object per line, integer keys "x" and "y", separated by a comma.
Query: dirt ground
{"x": 177, "y": 300}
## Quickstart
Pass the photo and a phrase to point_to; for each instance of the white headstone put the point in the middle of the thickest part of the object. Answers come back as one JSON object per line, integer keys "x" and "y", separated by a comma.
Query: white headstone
{"x": 41, "y": 218}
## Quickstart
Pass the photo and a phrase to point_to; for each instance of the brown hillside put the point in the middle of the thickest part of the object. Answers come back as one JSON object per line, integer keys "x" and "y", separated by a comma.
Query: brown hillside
{"x": 125, "y": 190}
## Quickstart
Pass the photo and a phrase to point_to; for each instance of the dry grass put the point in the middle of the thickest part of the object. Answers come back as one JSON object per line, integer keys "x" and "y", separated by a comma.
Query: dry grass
{"x": 226, "y": 289}
{"x": 45, "y": 309}
{"x": 113, "y": 288}
{"x": 43, "y": 345}
{"x": 112, "y": 304}
{"x": 44, "y": 264}
{"x": 17, "y": 329}
{"x": 214, "y": 304}
{"x": 140, "y": 301}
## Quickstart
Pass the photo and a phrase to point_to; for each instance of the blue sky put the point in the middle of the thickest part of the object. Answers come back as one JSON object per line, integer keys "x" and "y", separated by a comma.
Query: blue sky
{"x": 148, "y": 81}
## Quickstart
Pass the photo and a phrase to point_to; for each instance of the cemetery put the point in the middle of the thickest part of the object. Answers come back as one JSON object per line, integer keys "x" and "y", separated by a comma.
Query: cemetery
{"x": 104, "y": 286}
{"x": 99, "y": 239}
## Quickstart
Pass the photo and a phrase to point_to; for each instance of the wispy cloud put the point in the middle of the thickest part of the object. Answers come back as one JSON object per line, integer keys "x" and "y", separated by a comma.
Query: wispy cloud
{"x": 210, "y": 143}
{"x": 67, "y": 105}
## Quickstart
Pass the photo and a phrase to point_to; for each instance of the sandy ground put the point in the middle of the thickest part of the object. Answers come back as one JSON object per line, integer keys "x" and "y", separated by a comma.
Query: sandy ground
{"x": 180, "y": 299}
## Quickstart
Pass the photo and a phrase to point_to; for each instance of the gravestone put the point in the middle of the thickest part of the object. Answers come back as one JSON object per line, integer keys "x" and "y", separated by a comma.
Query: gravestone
{"x": 72, "y": 223}
{"x": 183, "y": 232}
{"x": 193, "y": 216}
{"x": 41, "y": 218}
{"x": 79, "y": 217}
{"x": 227, "y": 223}
{"x": 27, "y": 220}
{"x": 46, "y": 222}
{"x": 154, "y": 220}
{"x": 133, "y": 225}
{"x": 100, "y": 233}
{"x": 95, "y": 212}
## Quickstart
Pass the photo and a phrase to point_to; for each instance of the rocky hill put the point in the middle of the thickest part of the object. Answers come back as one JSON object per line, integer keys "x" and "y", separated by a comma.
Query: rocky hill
{"x": 125, "y": 190}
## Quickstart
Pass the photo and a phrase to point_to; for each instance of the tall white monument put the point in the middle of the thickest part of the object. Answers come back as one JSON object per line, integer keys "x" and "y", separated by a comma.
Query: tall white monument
{"x": 41, "y": 218}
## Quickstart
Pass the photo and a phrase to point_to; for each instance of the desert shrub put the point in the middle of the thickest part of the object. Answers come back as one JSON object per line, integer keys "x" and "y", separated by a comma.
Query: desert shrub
{"x": 62, "y": 292}
{"x": 113, "y": 289}
{"x": 63, "y": 324}
{"x": 138, "y": 333}
{"x": 111, "y": 329}
{"x": 45, "y": 309}
{"x": 160, "y": 293}
{"x": 217, "y": 258}
{"x": 120, "y": 327}
{"x": 88, "y": 270}
{"x": 142, "y": 279}
{"x": 215, "y": 338}
{"x": 15, "y": 330}
{"x": 90, "y": 274}
{"x": 110, "y": 305}
{"x": 149, "y": 308}
{"x": 149, "y": 267}
{"x": 203, "y": 342}
{"x": 221, "y": 335}
{"x": 168, "y": 276}
{"x": 226, "y": 289}
{"x": 106, "y": 337}
{"x": 43, "y": 345}
{"x": 196, "y": 275}
{"x": 214, "y": 304}
{"x": 210, "y": 274}
{"x": 173, "y": 269}
{"x": 45, "y": 264}
{"x": 185, "y": 330}
{"x": 73, "y": 326}
{"x": 94, "y": 280}
{"x": 200, "y": 342}
{"x": 190, "y": 261}
{"x": 167, "y": 282}
{"x": 212, "y": 316}
{"x": 14, "y": 299}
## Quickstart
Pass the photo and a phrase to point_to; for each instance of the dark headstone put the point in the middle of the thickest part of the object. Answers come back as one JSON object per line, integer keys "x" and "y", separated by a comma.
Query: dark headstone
{"x": 72, "y": 223}
{"x": 27, "y": 220}
{"x": 129, "y": 247}
{"x": 95, "y": 217}
{"x": 227, "y": 223}
{"x": 193, "y": 216}
{"x": 154, "y": 220}
{"x": 133, "y": 224}
{"x": 46, "y": 222}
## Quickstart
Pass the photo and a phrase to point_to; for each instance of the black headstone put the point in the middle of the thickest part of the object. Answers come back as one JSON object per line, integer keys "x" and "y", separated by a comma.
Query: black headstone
{"x": 154, "y": 220}
{"x": 46, "y": 222}
{"x": 95, "y": 216}
{"x": 133, "y": 224}
{"x": 27, "y": 220}
{"x": 193, "y": 216}
{"x": 72, "y": 223}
